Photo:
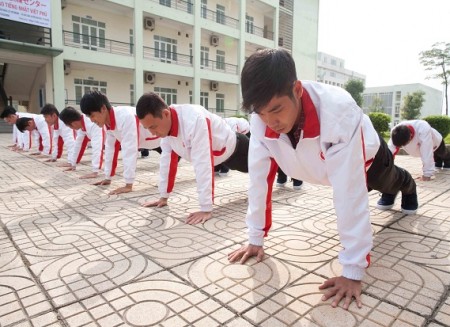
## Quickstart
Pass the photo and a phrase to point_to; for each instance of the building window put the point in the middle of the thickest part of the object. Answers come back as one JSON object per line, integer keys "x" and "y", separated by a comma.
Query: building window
{"x": 168, "y": 95}
{"x": 249, "y": 27}
{"x": 220, "y": 60}
{"x": 204, "y": 9}
{"x": 191, "y": 54}
{"x": 190, "y": 7}
{"x": 132, "y": 94}
{"x": 398, "y": 96}
{"x": 333, "y": 62}
{"x": 165, "y": 49}
{"x": 220, "y": 102}
{"x": 190, "y": 97}
{"x": 204, "y": 99}
{"x": 282, "y": 3}
{"x": 204, "y": 56}
{"x": 88, "y": 32}
{"x": 166, "y": 3}
{"x": 131, "y": 41}
{"x": 220, "y": 14}
{"x": 83, "y": 86}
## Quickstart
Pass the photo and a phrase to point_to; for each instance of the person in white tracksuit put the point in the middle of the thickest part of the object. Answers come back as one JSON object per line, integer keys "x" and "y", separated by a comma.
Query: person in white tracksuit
{"x": 123, "y": 133}
{"x": 21, "y": 141}
{"x": 198, "y": 136}
{"x": 419, "y": 139}
{"x": 87, "y": 132}
{"x": 41, "y": 134}
{"x": 317, "y": 133}
{"x": 62, "y": 135}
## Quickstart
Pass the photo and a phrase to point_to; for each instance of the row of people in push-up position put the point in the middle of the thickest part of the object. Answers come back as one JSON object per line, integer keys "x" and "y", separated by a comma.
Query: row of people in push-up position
{"x": 312, "y": 131}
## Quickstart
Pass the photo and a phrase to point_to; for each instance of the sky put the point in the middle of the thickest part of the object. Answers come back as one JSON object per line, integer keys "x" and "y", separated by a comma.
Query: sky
{"x": 382, "y": 39}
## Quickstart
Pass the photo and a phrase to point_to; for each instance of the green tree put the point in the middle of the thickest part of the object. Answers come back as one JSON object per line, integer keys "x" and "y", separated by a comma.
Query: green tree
{"x": 437, "y": 59}
{"x": 377, "y": 105}
{"x": 355, "y": 88}
{"x": 380, "y": 121}
{"x": 412, "y": 104}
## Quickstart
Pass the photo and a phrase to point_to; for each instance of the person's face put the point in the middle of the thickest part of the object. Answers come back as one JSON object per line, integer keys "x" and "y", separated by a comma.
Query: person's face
{"x": 30, "y": 126}
{"x": 100, "y": 118}
{"x": 280, "y": 114}
{"x": 158, "y": 126}
{"x": 11, "y": 119}
{"x": 75, "y": 125}
{"x": 51, "y": 119}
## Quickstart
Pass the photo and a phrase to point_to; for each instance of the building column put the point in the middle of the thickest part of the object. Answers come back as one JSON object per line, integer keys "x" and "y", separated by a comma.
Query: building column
{"x": 197, "y": 42}
{"x": 55, "y": 91}
{"x": 138, "y": 50}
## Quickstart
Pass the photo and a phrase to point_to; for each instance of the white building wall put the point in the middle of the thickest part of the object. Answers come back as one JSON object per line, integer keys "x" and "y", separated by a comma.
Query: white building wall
{"x": 331, "y": 70}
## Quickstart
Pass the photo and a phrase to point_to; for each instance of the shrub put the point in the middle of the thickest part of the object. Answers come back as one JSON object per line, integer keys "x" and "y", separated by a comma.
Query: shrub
{"x": 439, "y": 123}
{"x": 380, "y": 121}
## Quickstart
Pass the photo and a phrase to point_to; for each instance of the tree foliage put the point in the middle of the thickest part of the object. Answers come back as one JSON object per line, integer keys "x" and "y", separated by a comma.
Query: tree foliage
{"x": 439, "y": 123}
{"x": 355, "y": 88}
{"x": 380, "y": 121}
{"x": 412, "y": 105}
{"x": 437, "y": 59}
{"x": 377, "y": 105}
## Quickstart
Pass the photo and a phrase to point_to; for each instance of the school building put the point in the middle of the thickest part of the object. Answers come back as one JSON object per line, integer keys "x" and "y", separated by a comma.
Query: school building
{"x": 189, "y": 51}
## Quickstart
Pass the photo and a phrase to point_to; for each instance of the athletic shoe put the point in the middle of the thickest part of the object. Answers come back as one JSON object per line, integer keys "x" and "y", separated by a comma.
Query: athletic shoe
{"x": 281, "y": 182}
{"x": 386, "y": 201}
{"x": 409, "y": 203}
{"x": 297, "y": 185}
{"x": 223, "y": 174}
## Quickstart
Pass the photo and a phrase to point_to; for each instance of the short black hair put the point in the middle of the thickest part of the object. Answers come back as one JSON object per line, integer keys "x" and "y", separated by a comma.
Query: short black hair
{"x": 267, "y": 73}
{"x": 93, "y": 101}
{"x": 150, "y": 103}
{"x": 49, "y": 109}
{"x": 69, "y": 115}
{"x": 22, "y": 123}
{"x": 8, "y": 111}
{"x": 401, "y": 135}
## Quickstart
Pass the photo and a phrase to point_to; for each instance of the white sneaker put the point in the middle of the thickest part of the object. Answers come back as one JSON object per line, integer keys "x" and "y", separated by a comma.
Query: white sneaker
{"x": 297, "y": 187}
{"x": 223, "y": 174}
{"x": 280, "y": 184}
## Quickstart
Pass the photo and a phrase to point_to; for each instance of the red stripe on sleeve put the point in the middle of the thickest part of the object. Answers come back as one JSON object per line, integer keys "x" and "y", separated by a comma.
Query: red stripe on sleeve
{"x": 60, "y": 147}
{"x": 270, "y": 178}
{"x": 83, "y": 148}
{"x": 116, "y": 155}
{"x": 211, "y": 156}
{"x": 173, "y": 166}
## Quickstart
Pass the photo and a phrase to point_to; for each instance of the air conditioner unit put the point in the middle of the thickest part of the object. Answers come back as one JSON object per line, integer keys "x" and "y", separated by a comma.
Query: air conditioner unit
{"x": 214, "y": 86}
{"x": 214, "y": 40}
{"x": 149, "y": 78}
{"x": 67, "y": 69}
{"x": 149, "y": 23}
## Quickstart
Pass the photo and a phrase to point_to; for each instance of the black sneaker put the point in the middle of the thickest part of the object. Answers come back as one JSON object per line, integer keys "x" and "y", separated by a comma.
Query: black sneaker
{"x": 386, "y": 201}
{"x": 438, "y": 165}
{"x": 297, "y": 184}
{"x": 281, "y": 181}
{"x": 409, "y": 203}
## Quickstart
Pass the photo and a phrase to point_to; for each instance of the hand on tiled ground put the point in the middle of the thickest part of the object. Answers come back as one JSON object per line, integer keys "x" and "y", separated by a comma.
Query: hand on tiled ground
{"x": 103, "y": 182}
{"x": 124, "y": 189}
{"x": 424, "y": 178}
{"x": 64, "y": 164}
{"x": 342, "y": 288}
{"x": 245, "y": 252}
{"x": 50, "y": 160}
{"x": 198, "y": 217}
{"x": 162, "y": 202}
{"x": 71, "y": 168}
{"x": 91, "y": 175}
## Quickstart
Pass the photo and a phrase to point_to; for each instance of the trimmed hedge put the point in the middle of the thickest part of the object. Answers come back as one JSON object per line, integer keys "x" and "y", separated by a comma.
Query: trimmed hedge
{"x": 439, "y": 123}
{"x": 380, "y": 121}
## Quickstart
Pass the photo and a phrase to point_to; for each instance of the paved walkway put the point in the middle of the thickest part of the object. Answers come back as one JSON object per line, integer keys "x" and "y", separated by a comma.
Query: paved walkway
{"x": 73, "y": 256}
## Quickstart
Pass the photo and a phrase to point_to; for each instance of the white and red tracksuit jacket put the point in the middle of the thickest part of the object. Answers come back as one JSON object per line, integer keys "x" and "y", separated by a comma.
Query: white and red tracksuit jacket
{"x": 63, "y": 135}
{"x": 336, "y": 147}
{"x": 238, "y": 124}
{"x": 96, "y": 135}
{"x": 200, "y": 137}
{"x": 42, "y": 135}
{"x": 423, "y": 144}
{"x": 126, "y": 133}
{"x": 22, "y": 140}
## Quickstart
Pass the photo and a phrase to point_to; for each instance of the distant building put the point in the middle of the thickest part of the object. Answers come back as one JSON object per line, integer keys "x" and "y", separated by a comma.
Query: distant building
{"x": 392, "y": 98}
{"x": 331, "y": 70}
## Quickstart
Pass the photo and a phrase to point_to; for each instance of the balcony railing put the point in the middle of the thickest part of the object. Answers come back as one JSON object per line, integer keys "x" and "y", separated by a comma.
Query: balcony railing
{"x": 93, "y": 43}
{"x": 186, "y": 6}
{"x": 26, "y": 33}
{"x": 262, "y": 32}
{"x": 167, "y": 57}
{"x": 74, "y": 102}
{"x": 219, "y": 18}
{"x": 219, "y": 66}
{"x": 224, "y": 112}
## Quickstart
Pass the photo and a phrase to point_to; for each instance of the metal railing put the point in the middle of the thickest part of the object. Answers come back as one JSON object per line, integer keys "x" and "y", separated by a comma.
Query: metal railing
{"x": 262, "y": 32}
{"x": 219, "y": 18}
{"x": 186, "y": 6}
{"x": 26, "y": 33}
{"x": 224, "y": 112}
{"x": 93, "y": 43}
{"x": 218, "y": 66}
{"x": 168, "y": 57}
{"x": 73, "y": 102}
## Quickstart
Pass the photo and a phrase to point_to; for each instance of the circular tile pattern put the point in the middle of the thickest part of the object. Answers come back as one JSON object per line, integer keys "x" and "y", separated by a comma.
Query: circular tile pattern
{"x": 96, "y": 267}
{"x": 148, "y": 313}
